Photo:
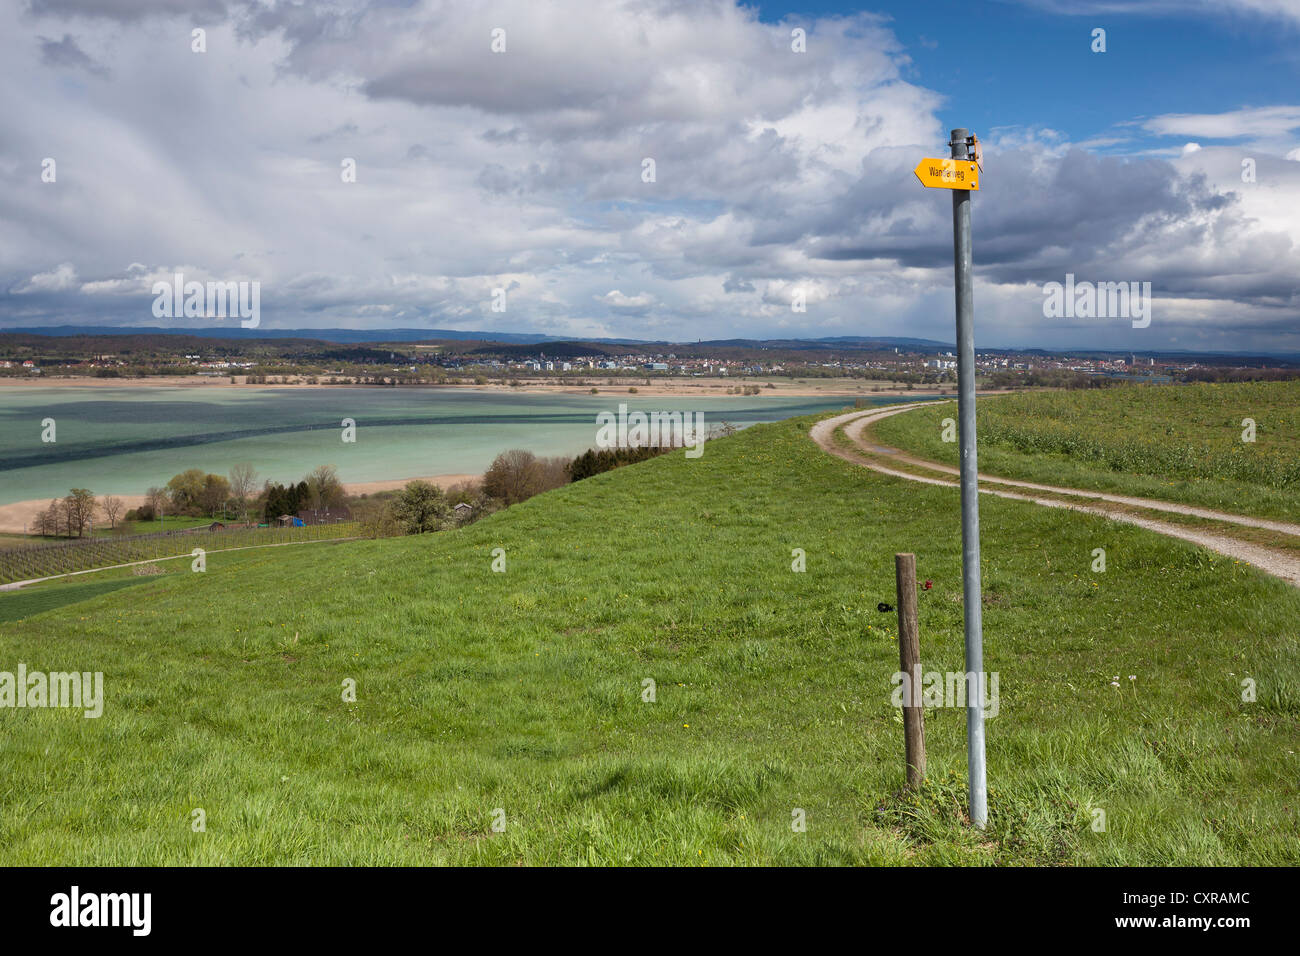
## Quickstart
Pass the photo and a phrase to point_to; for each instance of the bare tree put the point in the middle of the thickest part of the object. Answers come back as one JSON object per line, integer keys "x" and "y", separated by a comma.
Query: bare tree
{"x": 79, "y": 509}
{"x": 470, "y": 492}
{"x": 112, "y": 506}
{"x": 325, "y": 487}
{"x": 554, "y": 472}
{"x": 513, "y": 476}
{"x": 243, "y": 485}
{"x": 49, "y": 521}
{"x": 517, "y": 475}
{"x": 157, "y": 500}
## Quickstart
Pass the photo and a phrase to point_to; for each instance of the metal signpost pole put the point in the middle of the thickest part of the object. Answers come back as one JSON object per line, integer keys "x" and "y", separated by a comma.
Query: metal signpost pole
{"x": 970, "y": 519}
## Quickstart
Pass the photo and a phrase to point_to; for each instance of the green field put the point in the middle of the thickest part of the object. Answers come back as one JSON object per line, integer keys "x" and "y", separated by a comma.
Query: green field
{"x": 24, "y": 604}
{"x": 522, "y": 690}
{"x": 1179, "y": 443}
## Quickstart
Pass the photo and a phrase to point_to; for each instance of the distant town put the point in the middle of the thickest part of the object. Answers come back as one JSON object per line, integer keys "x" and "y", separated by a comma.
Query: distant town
{"x": 472, "y": 362}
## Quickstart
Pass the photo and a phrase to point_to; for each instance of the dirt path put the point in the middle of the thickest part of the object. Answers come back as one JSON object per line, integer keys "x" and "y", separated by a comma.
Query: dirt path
{"x": 1277, "y": 563}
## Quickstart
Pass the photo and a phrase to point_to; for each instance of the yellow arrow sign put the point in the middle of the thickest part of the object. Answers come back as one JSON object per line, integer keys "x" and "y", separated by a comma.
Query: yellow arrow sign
{"x": 948, "y": 174}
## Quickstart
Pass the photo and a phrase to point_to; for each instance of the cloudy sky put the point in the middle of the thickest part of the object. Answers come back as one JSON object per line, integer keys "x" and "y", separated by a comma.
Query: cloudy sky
{"x": 1172, "y": 158}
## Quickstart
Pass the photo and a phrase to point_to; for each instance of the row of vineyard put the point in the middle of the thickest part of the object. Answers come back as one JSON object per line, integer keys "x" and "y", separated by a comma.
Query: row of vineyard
{"x": 84, "y": 554}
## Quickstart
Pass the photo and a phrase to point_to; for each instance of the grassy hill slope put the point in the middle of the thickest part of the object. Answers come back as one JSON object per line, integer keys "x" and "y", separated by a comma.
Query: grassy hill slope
{"x": 522, "y": 690}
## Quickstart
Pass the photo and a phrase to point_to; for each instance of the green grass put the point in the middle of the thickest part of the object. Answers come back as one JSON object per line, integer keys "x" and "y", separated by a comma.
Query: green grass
{"x": 1179, "y": 443}
{"x": 25, "y": 603}
{"x": 522, "y": 690}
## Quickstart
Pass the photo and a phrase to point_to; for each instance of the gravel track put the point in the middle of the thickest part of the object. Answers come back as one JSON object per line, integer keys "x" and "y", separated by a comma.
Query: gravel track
{"x": 1279, "y": 564}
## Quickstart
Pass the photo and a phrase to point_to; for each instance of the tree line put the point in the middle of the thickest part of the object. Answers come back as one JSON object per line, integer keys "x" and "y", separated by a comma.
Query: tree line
{"x": 197, "y": 494}
{"x": 514, "y": 476}
{"x": 74, "y": 514}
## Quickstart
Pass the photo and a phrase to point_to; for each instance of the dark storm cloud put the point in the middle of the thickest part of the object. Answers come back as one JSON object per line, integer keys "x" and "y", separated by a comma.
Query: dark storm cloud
{"x": 66, "y": 54}
{"x": 128, "y": 11}
{"x": 1036, "y": 220}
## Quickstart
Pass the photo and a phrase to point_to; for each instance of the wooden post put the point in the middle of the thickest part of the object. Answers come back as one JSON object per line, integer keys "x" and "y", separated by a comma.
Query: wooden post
{"x": 909, "y": 660}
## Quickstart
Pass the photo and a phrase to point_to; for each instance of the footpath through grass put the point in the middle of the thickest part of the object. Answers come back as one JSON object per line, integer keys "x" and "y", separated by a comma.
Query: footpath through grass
{"x": 522, "y": 691}
{"x": 1176, "y": 442}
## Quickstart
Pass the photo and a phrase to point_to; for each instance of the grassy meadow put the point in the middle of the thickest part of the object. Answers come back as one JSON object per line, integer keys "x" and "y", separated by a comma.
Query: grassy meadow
{"x": 1179, "y": 443}
{"x": 521, "y": 691}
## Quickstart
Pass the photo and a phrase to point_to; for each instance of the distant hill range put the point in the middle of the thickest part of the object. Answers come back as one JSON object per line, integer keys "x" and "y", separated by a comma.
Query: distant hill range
{"x": 349, "y": 336}
{"x": 353, "y": 336}
{"x": 567, "y": 346}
